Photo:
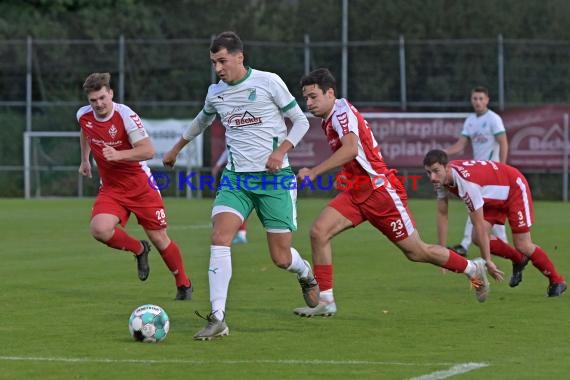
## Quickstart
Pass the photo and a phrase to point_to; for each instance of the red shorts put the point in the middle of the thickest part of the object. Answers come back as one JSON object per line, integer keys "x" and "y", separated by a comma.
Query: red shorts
{"x": 147, "y": 207}
{"x": 518, "y": 208}
{"x": 386, "y": 209}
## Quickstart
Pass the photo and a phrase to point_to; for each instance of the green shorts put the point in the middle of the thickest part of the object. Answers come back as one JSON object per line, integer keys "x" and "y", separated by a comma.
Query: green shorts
{"x": 273, "y": 196}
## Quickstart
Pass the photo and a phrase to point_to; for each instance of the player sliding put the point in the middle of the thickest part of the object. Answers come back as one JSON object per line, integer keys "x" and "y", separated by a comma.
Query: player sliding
{"x": 382, "y": 200}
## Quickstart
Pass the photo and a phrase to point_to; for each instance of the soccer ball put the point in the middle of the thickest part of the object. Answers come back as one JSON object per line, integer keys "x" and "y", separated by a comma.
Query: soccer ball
{"x": 149, "y": 323}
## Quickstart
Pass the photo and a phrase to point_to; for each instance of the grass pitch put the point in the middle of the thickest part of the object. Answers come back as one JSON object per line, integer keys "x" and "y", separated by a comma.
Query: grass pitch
{"x": 67, "y": 298}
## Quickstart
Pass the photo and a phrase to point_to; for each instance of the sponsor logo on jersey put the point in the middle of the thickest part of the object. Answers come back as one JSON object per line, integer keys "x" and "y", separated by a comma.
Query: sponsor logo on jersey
{"x": 252, "y": 94}
{"x": 113, "y": 131}
{"x": 102, "y": 143}
{"x": 243, "y": 120}
{"x": 89, "y": 124}
{"x": 479, "y": 138}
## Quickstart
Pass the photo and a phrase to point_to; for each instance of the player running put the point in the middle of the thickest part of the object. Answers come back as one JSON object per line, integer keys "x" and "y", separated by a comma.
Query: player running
{"x": 120, "y": 145}
{"x": 252, "y": 105}
{"x": 380, "y": 200}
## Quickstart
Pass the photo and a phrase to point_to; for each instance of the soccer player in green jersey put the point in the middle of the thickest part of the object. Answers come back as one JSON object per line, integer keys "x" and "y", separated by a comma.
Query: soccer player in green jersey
{"x": 252, "y": 105}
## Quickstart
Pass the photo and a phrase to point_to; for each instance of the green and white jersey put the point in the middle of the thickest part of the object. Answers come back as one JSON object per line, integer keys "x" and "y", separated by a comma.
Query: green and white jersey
{"x": 251, "y": 110}
{"x": 482, "y": 131}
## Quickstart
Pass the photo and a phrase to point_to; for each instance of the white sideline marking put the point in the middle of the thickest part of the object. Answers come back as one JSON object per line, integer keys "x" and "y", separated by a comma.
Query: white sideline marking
{"x": 455, "y": 370}
{"x": 194, "y": 362}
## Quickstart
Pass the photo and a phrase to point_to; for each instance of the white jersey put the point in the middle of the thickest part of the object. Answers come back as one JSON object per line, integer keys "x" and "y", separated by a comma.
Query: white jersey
{"x": 251, "y": 110}
{"x": 482, "y": 130}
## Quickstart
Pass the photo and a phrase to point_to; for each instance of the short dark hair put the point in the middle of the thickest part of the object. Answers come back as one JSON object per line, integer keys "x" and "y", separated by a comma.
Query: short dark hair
{"x": 322, "y": 77}
{"x": 227, "y": 40}
{"x": 436, "y": 156}
{"x": 482, "y": 89}
{"x": 97, "y": 81}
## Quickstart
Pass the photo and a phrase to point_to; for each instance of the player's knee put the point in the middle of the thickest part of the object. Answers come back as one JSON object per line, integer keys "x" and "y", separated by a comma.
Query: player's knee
{"x": 161, "y": 241}
{"x": 222, "y": 239}
{"x": 319, "y": 234}
{"x": 526, "y": 248}
{"x": 101, "y": 232}
{"x": 414, "y": 256}
{"x": 281, "y": 261}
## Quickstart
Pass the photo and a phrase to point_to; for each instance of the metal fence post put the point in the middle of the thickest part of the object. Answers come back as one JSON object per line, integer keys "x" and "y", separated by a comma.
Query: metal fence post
{"x": 344, "y": 77}
{"x": 29, "y": 84}
{"x": 566, "y": 152}
{"x": 403, "y": 94}
{"x": 121, "y": 53}
{"x": 501, "y": 71}
{"x": 27, "y": 174}
{"x": 27, "y": 180}
{"x": 213, "y": 75}
{"x": 307, "y": 53}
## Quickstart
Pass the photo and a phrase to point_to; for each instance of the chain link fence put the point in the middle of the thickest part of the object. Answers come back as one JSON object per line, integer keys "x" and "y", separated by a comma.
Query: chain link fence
{"x": 40, "y": 80}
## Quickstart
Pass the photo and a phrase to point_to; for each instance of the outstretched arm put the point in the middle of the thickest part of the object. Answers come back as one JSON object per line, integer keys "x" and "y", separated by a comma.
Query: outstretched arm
{"x": 457, "y": 147}
{"x": 442, "y": 220}
{"x": 344, "y": 154}
{"x": 195, "y": 128}
{"x": 298, "y": 130}
{"x": 481, "y": 237}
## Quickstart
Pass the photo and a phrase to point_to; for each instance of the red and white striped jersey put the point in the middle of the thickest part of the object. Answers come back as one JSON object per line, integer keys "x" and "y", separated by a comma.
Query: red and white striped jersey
{"x": 344, "y": 119}
{"x": 121, "y": 130}
{"x": 480, "y": 183}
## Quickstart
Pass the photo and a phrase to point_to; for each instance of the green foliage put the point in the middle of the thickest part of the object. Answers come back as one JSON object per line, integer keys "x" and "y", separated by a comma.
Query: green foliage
{"x": 72, "y": 38}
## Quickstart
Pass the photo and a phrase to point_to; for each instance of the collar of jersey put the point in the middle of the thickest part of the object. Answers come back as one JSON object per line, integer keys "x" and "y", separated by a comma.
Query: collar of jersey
{"x": 105, "y": 118}
{"x": 249, "y": 70}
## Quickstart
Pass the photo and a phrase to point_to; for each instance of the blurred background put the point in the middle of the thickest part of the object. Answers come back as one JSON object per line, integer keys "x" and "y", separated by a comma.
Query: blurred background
{"x": 389, "y": 56}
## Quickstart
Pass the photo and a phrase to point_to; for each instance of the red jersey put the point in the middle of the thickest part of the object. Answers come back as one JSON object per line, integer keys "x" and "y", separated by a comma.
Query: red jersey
{"x": 368, "y": 162}
{"x": 480, "y": 183}
{"x": 121, "y": 130}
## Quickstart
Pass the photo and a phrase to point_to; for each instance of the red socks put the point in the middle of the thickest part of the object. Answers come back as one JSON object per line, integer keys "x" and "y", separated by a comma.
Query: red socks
{"x": 324, "y": 276}
{"x": 542, "y": 262}
{"x": 173, "y": 259}
{"x": 455, "y": 263}
{"x": 121, "y": 240}
{"x": 502, "y": 249}
{"x": 171, "y": 255}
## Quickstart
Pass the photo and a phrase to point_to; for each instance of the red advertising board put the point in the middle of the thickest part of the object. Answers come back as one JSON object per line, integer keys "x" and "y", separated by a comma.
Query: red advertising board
{"x": 536, "y": 138}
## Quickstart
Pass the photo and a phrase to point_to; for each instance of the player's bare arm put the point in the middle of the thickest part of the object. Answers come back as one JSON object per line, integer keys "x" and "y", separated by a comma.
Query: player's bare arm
{"x": 85, "y": 166}
{"x": 457, "y": 147}
{"x": 481, "y": 237}
{"x": 142, "y": 150}
{"x": 503, "y": 147}
{"x": 275, "y": 160}
{"x": 344, "y": 154}
{"x": 298, "y": 130}
{"x": 442, "y": 221}
{"x": 169, "y": 158}
{"x": 195, "y": 128}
